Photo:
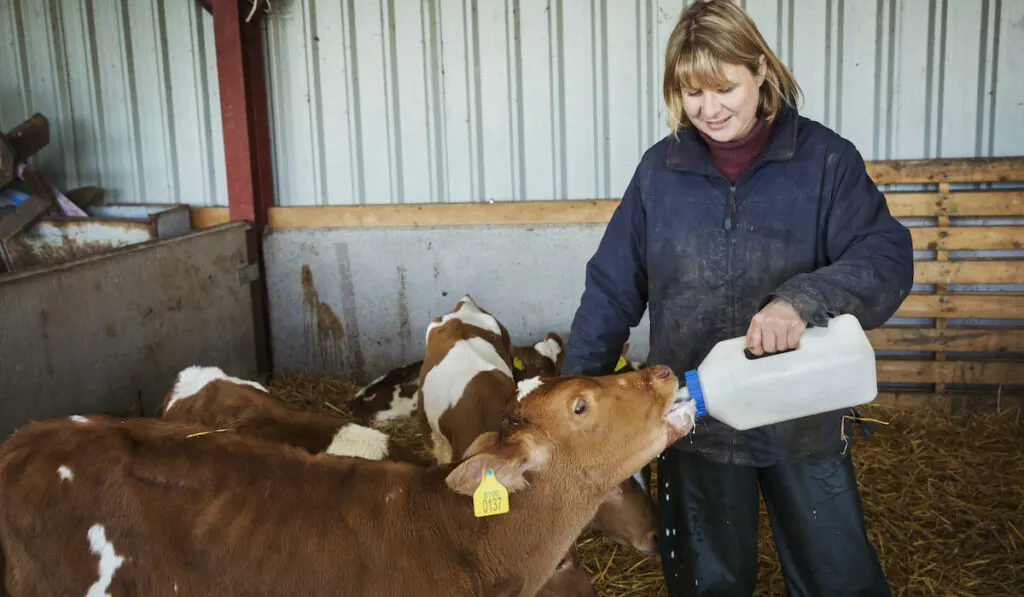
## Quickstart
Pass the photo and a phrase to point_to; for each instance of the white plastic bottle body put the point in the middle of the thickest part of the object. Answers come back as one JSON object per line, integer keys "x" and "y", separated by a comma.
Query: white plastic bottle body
{"x": 832, "y": 368}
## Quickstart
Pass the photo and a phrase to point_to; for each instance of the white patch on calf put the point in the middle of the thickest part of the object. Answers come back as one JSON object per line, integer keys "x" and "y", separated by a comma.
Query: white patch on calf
{"x": 78, "y": 419}
{"x": 548, "y": 349}
{"x": 359, "y": 441}
{"x": 401, "y": 406}
{"x": 193, "y": 379}
{"x": 65, "y": 473}
{"x": 362, "y": 391}
{"x": 526, "y": 386}
{"x": 470, "y": 314}
{"x": 109, "y": 561}
{"x": 446, "y": 382}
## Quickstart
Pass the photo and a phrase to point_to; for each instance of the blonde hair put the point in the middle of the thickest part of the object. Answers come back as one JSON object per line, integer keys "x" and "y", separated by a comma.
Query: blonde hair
{"x": 708, "y": 33}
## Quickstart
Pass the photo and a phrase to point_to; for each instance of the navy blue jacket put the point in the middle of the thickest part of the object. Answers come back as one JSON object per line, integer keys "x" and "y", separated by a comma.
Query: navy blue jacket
{"x": 805, "y": 222}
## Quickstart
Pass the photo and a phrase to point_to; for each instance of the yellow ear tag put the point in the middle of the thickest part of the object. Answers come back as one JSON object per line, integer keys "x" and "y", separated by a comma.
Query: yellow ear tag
{"x": 518, "y": 363}
{"x": 490, "y": 497}
{"x": 621, "y": 364}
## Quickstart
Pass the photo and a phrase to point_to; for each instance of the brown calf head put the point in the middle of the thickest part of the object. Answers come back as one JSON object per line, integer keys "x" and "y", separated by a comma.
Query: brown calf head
{"x": 599, "y": 428}
{"x": 629, "y": 517}
{"x": 568, "y": 580}
{"x": 542, "y": 359}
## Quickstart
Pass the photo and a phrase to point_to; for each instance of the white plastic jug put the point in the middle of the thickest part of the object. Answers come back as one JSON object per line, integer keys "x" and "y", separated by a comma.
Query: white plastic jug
{"x": 833, "y": 367}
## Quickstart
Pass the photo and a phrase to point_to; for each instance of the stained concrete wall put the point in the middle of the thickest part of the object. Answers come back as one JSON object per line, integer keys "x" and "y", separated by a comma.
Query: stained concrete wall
{"x": 355, "y": 303}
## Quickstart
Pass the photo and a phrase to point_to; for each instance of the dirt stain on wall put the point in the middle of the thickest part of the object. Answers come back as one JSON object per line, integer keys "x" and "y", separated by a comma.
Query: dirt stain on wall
{"x": 323, "y": 329}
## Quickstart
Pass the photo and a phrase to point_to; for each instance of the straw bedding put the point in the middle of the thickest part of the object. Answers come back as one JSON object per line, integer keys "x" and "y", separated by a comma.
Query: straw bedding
{"x": 943, "y": 495}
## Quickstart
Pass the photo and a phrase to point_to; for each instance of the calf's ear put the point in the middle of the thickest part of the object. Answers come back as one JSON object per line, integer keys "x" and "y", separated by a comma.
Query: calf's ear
{"x": 509, "y": 461}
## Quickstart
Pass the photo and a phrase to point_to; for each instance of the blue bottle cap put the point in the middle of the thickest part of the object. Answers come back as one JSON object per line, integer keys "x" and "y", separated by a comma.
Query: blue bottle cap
{"x": 696, "y": 394}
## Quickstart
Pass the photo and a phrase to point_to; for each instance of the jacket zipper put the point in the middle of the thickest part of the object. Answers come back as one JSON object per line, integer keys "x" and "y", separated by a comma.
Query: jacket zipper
{"x": 730, "y": 208}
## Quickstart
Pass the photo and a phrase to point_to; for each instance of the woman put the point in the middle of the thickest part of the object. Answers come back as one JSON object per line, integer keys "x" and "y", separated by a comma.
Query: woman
{"x": 748, "y": 219}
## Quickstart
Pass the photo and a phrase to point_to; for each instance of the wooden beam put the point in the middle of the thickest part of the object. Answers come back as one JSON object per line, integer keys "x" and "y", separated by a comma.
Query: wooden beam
{"x": 951, "y": 402}
{"x": 993, "y": 305}
{"x": 951, "y": 372}
{"x": 988, "y": 271}
{"x": 445, "y": 214}
{"x": 948, "y": 339}
{"x": 967, "y": 237}
{"x": 207, "y": 217}
{"x": 953, "y": 170}
{"x": 956, "y": 203}
{"x": 591, "y": 211}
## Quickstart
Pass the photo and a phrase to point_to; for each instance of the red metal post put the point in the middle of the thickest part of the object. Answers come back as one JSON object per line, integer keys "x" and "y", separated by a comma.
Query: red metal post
{"x": 246, "y": 130}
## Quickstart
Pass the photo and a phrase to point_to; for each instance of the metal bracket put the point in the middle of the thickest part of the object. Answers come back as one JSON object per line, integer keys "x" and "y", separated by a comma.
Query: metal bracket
{"x": 247, "y": 274}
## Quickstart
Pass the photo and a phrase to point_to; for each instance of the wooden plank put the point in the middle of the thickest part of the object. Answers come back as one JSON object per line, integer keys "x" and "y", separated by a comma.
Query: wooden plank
{"x": 206, "y": 217}
{"x": 445, "y": 214}
{"x": 963, "y": 203}
{"x": 954, "y": 170}
{"x": 967, "y": 237}
{"x": 948, "y": 339}
{"x": 29, "y": 137}
{"x": 587, "y": 211}
{"x": 951, "y": 372}
{"x": 1009, "y": 305}
{"x": 988, "y": 271}
{"x": 951, "y": 402}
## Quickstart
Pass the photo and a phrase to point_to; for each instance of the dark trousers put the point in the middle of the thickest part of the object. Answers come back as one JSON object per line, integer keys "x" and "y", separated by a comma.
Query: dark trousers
{"x": 709, "y": 518}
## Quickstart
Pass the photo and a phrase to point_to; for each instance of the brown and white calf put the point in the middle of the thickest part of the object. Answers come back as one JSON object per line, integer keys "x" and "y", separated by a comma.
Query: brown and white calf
{"x": 466, "y": 379}
{"x": 104, "y": 506}
{"x": 393, "y": 395}
{"x": 540, "y": 359}
{"x": 390, "y": 396}
{"x": 207, "y": 396}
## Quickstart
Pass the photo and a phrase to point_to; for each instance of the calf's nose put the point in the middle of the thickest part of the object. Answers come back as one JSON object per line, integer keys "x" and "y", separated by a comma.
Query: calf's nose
{"x": 647, "y": 544}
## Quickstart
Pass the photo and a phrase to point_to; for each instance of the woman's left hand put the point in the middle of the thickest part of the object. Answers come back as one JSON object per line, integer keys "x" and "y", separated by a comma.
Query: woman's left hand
{"x": 776, "y": 327}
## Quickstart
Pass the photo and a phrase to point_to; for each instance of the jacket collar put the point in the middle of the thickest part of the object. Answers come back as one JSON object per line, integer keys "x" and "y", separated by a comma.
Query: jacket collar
{"x": 690, "y": 153}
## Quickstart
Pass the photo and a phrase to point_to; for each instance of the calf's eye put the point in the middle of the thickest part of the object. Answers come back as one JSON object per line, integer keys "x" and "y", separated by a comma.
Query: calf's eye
{"x": 580, "y": 407}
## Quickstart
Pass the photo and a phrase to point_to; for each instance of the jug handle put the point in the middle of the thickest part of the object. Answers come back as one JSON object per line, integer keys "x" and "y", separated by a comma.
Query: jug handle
{"x": 751, "y": 356}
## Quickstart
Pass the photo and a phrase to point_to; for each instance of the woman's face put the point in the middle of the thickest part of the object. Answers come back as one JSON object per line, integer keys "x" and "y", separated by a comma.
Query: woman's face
{"x": 729, "y": 113}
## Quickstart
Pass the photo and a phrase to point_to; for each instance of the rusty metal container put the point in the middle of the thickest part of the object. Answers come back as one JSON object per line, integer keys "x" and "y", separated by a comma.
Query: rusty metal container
{"x": 56, "y": 240}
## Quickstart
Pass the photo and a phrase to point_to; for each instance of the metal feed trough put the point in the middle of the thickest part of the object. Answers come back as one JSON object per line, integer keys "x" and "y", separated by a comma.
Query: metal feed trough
{"x": 54, "y": 240}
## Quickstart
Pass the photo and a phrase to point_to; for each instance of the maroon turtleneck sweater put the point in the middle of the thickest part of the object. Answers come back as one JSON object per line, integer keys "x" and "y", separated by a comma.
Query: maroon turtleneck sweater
{"x": 733, "y": 157}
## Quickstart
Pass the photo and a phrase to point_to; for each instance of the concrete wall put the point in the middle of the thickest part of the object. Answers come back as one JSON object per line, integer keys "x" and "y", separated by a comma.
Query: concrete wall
{"x": 366, "y": 298}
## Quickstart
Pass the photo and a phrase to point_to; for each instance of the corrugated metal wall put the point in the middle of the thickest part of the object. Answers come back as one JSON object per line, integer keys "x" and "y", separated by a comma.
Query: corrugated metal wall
{"x": 377, "y": 101}
{"x": 130, "y": 89}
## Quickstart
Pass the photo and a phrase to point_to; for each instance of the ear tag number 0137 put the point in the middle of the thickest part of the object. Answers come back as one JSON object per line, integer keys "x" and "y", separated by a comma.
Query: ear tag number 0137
{"x": 490, "y": 497}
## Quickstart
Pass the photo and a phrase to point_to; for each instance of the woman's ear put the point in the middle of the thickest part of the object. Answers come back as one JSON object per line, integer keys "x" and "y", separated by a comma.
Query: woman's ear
{"x": 762, "y": 69}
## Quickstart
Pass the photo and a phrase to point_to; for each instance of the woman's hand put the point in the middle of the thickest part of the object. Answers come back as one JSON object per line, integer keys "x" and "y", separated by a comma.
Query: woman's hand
{"x": 776, "y": 327}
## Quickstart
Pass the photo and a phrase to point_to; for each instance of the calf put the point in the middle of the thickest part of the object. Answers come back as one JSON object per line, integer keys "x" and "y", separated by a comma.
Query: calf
{"x": 541, "y": 359}
{"x": 207, "y": 396}
{"x": 568, "y": 580}
{"x": 465, "y": 378}
{"x": 144, "y": 506}
{"x": 390, "y": 396}
{"x": 393, "y": 395}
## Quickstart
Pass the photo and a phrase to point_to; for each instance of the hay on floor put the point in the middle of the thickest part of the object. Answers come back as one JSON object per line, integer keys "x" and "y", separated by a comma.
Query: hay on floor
{"x": 943, "y": 496}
